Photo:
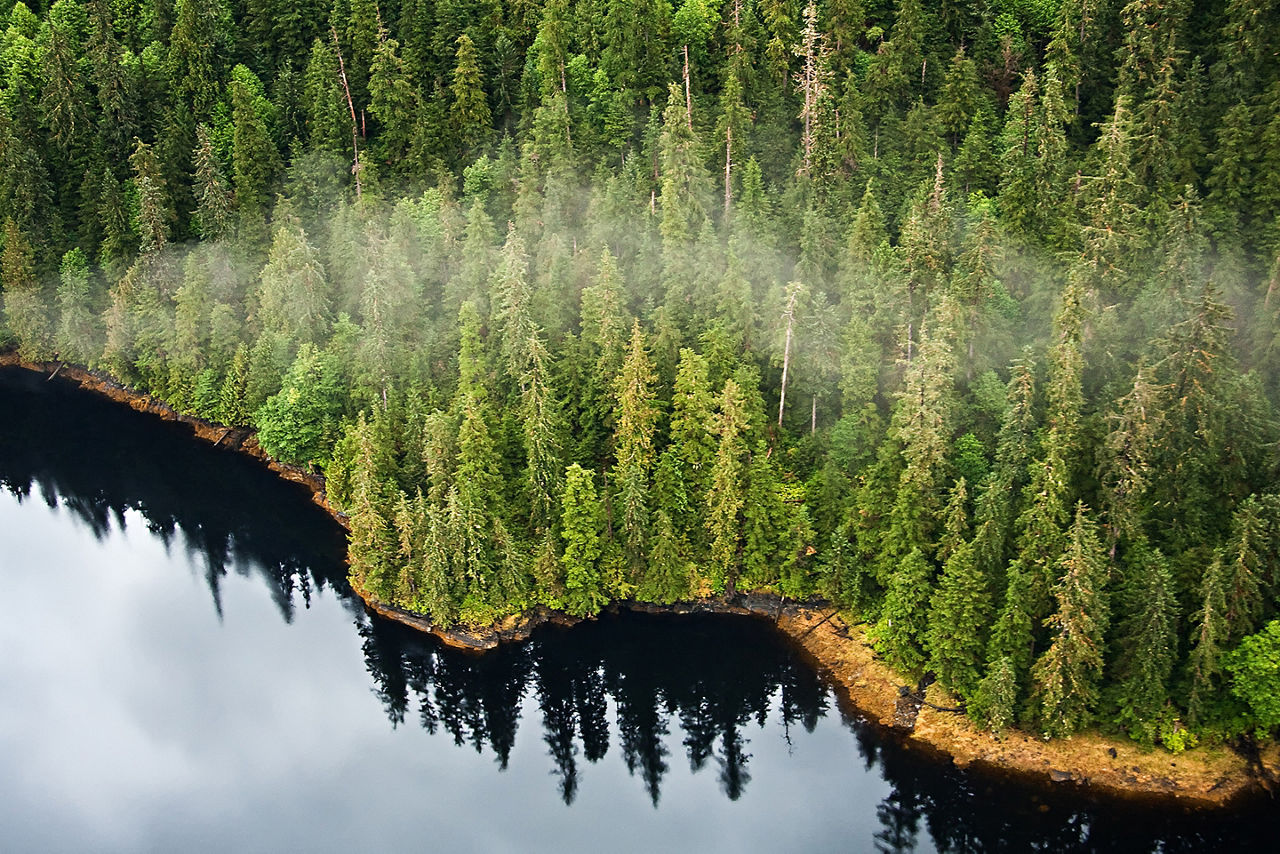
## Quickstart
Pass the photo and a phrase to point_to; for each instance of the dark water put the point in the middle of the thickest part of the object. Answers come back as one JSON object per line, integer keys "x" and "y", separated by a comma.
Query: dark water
{"x": 183, "y": 668}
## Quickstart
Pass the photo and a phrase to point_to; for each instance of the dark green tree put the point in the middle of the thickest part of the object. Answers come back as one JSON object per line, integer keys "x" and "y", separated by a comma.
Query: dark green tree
{"x": 1066, "y": 679}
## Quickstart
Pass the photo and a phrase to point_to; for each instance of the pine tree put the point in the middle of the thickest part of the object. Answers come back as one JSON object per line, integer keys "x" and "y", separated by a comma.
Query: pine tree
{"x": 685, "y": 192}
{"x": 959, "y": 614}
{"x": 1042, "y": 525}
{"x": 693, "y": 443}
{"x": 735, "y": 119}
{"x": 294, "y": 300}
{"x": 393, "y": 100}
{"x": 1197, "y": 370}
{"x": 1209, "y": 638}
{"x": 959, "y": 99}
{"x": 543, "y": 425}
{"x": 65, "y": 98}
{"x": 107, "y": 75}
{"x": 922, "y": 427}
{"x": 603, "y": 330}
{"x": 1251, "y": 547}
{"x": 328, "y": 124}
{"x": 994, "y": 706}
{"x": 669, "y": 575}
{"x": 195, "y": 56}
{"x": 118, "y": 239}
{"x": 372, "y": 542}
{"x": 1131, "y": 449}
{"x": 813, "y": 82}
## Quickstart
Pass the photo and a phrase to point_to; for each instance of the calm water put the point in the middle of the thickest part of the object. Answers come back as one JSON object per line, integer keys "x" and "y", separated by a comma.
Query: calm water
{"x": 183, "y": 668}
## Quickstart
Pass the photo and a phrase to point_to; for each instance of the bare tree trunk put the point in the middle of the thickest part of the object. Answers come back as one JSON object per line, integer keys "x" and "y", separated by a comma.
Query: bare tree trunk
{"x": 728, "y": 167}
{"x": 355, "y": 132}
{"x": 793, "y": 291}
{"x": 813, "y": 417}
{"x": 688, "y": 91}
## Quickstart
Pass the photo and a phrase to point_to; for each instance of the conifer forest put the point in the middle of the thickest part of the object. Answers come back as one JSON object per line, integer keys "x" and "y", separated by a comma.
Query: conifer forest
{"x": 962, "y": 316}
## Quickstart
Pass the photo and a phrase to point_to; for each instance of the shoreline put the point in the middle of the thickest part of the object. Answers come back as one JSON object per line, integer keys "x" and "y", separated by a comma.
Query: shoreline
{"x": 1206, "y": 776}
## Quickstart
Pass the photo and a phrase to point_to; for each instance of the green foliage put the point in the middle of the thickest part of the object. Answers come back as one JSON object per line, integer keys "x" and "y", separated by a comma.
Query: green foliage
{"x": 299, "y": 423}
{"x": 581, "y": 529}
{"x": 1254, "y": 667}
{"x": 959, "y": 615}
{"x": 208, "y": 202}
{"x": 1066, "y": 678}
{"x": 1147, "y": 638}
{"x": 903, "y": 621}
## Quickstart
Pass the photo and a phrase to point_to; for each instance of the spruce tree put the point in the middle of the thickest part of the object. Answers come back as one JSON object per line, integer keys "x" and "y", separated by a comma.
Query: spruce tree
{"x": 76, "y": 336}
{"x": 214, "y": 201}
{"x": 469, "y": 109}
{"x": 24, "y": 304}
{"x": 1209, "y": 637}
{"x": 1066, "y": 679}
{"x": 154, "y": 214}
{"x": 900, "y": 633}
{"x": 727, "y": 495}
{"x": 1148, "y": 643}
{"x": 582, "y": 529}
{"x": 294, "y": 299}
{"x": 254, "y": 156}
{"x": 959, "y": 614}
{"x": 635, "y": 419}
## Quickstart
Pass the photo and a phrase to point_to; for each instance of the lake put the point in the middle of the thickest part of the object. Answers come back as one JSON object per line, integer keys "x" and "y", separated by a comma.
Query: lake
{"x": 185, "y": 669}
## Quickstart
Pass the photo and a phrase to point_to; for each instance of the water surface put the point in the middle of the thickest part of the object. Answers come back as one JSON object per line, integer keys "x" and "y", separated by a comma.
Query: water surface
{"x": 184, "y": 668}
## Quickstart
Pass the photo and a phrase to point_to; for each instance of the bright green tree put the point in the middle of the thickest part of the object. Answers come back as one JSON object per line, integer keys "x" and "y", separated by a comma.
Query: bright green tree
{"x": 581, "y": 529}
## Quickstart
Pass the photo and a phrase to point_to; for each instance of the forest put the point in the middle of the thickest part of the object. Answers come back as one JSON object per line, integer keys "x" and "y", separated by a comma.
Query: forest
{"x": 962, "y": 316}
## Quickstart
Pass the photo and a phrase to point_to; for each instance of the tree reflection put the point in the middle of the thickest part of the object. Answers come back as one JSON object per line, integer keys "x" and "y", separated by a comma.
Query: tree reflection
{"x": 691, "y": 684}
{"x": 655, "y": 672}
{"x": 99, "y": 461}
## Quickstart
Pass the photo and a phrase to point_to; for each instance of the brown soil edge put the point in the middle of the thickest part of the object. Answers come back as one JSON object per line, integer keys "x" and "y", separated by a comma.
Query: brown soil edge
{"x": 1211, "y": 776}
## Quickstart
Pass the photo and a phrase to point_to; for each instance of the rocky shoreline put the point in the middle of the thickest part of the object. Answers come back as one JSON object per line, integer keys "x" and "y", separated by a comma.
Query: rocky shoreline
{"x": 1203, "y": 777}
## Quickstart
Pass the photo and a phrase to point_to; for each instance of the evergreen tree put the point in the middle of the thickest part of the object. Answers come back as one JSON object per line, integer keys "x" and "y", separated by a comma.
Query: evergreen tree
{"x": 294, "y": 300}
{"x": 154, "y": 214}
{"x": 1147, "y": 640}
{"x": 582, "y": 528}
{"x": 1209, "y": 638}
{"x": 214, "y": 202}
{"x": 958, "y": 617}
{"x": 254, "y": 156}
{"x": 372, "y": 542}
{"x": 635, "y": 420}
{"x": 24, "y": 305}
{"x": 469, "y": 110}
{"x": 727, "y": 494}
{"x": 76, "y": 336}
{"x": 693, "y": 443}
{"x": 900, "y": 633}
{"x": 393, "y": 100}
{"x": 1066, "y": 678}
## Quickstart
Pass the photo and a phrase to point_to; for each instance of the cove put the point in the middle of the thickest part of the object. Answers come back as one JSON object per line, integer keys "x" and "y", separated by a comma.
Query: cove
{"x": 185, "y": 668}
